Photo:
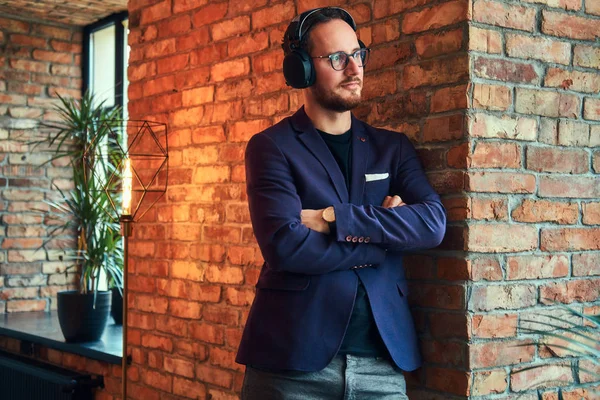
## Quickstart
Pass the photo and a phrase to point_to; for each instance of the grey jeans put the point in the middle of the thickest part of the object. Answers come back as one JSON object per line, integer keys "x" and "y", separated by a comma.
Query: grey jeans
{"x": 347, "y": 377}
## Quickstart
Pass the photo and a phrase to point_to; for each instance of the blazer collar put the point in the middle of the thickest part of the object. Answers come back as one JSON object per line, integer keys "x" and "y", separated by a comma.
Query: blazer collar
{"x": 308, "y": 134}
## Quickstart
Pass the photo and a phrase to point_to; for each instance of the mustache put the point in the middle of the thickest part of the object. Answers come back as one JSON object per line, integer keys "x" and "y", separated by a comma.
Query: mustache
{"x": 355, "y": 80}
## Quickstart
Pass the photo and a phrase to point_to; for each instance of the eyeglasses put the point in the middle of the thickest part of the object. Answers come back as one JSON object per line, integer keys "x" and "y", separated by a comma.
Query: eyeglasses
{"x": 339, "y": 60}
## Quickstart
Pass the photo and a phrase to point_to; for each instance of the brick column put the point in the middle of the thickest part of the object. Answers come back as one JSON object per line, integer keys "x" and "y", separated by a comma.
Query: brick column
{"x": 37, "y": 62}
{"x": 533, "y": 184}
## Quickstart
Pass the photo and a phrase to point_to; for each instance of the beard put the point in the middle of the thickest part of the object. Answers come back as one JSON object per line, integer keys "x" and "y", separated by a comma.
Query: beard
{"x": 333, "y": 101}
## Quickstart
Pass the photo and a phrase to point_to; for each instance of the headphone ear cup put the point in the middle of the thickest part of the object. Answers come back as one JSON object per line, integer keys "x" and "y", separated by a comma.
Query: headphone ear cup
{"x": 298, "y": 69}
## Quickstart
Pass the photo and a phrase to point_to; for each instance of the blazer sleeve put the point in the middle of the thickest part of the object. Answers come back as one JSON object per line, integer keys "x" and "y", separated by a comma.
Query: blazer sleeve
{"x": 287, "y": 244}
{"x": 420, "y": 224}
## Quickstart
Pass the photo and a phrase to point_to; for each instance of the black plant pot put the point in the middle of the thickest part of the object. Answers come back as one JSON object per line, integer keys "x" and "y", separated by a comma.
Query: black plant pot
{"x": 116, "y": 309}
{"x": 79, "y": 320}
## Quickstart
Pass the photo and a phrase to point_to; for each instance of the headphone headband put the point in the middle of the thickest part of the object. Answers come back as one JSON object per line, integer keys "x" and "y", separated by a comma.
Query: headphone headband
{"x": 300, "y": 20}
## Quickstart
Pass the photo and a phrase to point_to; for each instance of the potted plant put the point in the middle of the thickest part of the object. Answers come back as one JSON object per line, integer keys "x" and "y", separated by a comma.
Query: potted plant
{"x": 83, "y": 135}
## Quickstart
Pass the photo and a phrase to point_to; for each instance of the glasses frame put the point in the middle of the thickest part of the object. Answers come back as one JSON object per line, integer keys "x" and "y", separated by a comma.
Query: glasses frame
{"x": 348, "y": 56}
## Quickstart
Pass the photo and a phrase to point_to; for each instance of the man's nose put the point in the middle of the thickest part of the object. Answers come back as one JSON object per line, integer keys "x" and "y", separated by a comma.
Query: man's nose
{"x": 352, "y": 68}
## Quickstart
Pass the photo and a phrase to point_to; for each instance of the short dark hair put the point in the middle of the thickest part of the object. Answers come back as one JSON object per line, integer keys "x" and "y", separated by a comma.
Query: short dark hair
{"x": 324, "y": 15}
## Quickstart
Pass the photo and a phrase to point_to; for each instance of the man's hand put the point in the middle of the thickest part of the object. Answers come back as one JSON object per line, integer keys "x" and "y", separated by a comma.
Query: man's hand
{"x": 313, "y": 220}
{"x": 392, "y": 201}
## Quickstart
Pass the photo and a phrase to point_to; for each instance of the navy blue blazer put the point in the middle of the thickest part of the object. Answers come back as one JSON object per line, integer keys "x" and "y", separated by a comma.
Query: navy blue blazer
{"x": 307, "y": 286}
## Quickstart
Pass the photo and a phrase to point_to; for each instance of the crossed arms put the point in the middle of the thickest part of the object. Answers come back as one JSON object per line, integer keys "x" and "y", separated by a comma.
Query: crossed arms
{"x": 289, "y": 241}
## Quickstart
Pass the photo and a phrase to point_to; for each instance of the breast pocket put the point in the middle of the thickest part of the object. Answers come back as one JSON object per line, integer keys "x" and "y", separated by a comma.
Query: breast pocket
{"x": 377, "y": 186}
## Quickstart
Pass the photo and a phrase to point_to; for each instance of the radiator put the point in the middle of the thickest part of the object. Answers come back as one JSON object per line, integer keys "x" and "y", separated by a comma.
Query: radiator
{"x": 24, "y": 378}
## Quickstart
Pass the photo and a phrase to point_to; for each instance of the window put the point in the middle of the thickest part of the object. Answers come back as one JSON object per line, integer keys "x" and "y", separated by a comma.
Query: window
{"x": 105, "y": 55}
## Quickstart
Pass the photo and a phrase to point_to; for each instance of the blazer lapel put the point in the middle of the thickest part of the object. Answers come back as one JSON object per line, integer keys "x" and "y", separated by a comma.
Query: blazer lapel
{"x": 360, "y": 154}
{"x": 317, "y": 146}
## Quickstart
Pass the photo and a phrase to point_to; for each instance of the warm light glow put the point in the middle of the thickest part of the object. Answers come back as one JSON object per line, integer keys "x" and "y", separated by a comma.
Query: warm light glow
{"x": 127, "y": 177}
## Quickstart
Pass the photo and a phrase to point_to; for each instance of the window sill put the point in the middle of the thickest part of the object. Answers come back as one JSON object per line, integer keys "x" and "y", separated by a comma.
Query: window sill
{"x": 43, "y": 328}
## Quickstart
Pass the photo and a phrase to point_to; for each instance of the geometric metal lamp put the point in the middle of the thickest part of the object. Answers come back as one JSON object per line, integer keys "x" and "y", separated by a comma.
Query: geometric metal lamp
{"x": 138, "y": 178}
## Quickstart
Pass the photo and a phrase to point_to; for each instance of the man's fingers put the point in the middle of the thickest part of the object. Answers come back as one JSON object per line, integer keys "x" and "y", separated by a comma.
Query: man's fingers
{"x": 386, "y": 202}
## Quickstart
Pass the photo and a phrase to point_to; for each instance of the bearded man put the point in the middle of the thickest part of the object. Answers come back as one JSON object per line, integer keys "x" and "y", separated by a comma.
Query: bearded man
{"x": 334, "y": 203}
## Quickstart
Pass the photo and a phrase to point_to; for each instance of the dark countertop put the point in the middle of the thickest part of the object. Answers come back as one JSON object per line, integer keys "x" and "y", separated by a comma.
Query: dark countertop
{"x": 43, "y": 328}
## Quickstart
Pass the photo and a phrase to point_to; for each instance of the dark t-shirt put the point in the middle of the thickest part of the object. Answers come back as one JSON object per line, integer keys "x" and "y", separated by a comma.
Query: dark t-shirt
{"x": 362, "y": 337}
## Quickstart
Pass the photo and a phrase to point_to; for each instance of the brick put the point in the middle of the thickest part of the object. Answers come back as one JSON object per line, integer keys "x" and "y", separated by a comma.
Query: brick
{"x": 592, "y": 7}
{"x": 448, "y": 181}
{"x": 435, "y": 159}
{"x": 451, "y": 98}
{"x": 501, "y": 182}
{"x": 267, "y": 62}
{"x": 596, "y": 161}
{"x": 185, "y": 309}
{"x": 148, "y": 303}
{"x": 386, "y": 32}
{"x": 207, "y": 333}
{"x": 586, "y": 56}
{"x": 495, "y": 354}
{"x": 211, "y": 174}
{"x": 435, "y": 17}
{"x": 172, "y": 63}
{"x": 158, "y": 85}
{"x": 436, "y": 72}
{"x": 531, "y": 210}
{"x": 201, "y": 95}
{"x": 570, "y": 26}
{"x": 270, "y": 83}
{"x": 546, "y": 103}
{"x": 385, "y": 8}
{"x": 273, "y": 15}
{"x": 587, "y": 82}
{"x": 536, "y": 267}
{"x": 25, "y": 305}
{"x": 386, "y": 84}
{"x": 500, "y": 238}
{"x": 452, "y": 269}
{"x": 268, "y": 106}
{"x": 436, "y": 44}
{"x": 231, "y": 27}
{"x": 591, "y": 213}
{"x": 53, "y": 56}
{"x": 220, "y": 315}
{"x": 491, "y": 326}
{"x": 155, "y": 12}
{"x": 573, "y": 187}
{"x": 490, "y": 209}
{"x": 492, "y": 97}
{"x": 570, "y": 239}
{"x": 242, "y": 131}
{"x": 229, "y": 69}
{"x": 489, "y": 126}
{"x": 489, "y": 382}
{"x": 572, "y": 133}
{"x": 505, "y": 70}
{"x": 448, "y": 380}
{"x": 157, "y": 380}
{"x": 504, "y": 15}
{"x": 591, "y": 108}
{"x": 495, "y": 155}
{"x": 581, "y": 290}
{"x": 208, "y": 134}
{"x": 186, "y": 117}
{"x": 217, "y": 274}
{"x": 389, "y": 55}
{"x": 445, "y": 297}
{"x": 541, "y": 376}
{"x": 160, "y": 48}
{"x": 586, "y": 264}
{"x": 239, "y": 297}
{"x": 538, "y": 48}
{"x": 174, "y": 26}
{"x": 484, "y": 40}
{"x": 54, "y": 32}
{"x": 189, "y": 388}
{"x": 548, "y": 159}
{"x": 564, "y": 4}
{"x": 444, "y": 128}
{"x": 200, "y": 37}
{"x": 248, "y": 44}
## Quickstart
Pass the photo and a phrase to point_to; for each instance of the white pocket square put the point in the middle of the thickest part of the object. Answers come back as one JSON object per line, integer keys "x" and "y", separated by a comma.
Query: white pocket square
{"x": 376, "y": 177}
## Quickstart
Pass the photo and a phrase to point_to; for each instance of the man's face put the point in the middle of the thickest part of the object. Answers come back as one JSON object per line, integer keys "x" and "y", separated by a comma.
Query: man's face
{"x": 335, "y": 90}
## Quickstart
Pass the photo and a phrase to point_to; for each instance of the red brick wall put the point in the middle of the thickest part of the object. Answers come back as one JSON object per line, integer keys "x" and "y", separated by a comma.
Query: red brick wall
{"x": 533, "y": 185}
{"x": 36, "y": 62}
{"x": 212, "y": 72}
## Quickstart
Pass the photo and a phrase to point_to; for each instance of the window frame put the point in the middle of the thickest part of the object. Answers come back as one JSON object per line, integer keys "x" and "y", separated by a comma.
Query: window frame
{"x": 117, "y": 21}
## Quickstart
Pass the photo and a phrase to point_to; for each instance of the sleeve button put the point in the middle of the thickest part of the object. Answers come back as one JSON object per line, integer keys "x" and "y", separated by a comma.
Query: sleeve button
{"x": 348, "y": 238}
{"x": 354, "y": 239}
{"x": 367, "y": 239}
{"x": 361, "y": 239}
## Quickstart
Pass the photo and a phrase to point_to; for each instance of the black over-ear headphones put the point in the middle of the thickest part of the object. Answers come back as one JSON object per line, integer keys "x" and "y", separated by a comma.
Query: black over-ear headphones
{"x": 298, "y": 68}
